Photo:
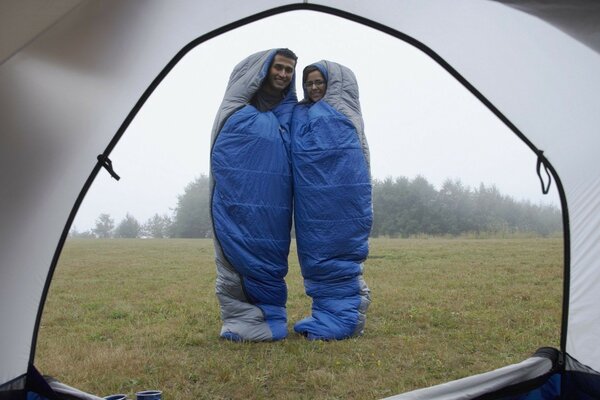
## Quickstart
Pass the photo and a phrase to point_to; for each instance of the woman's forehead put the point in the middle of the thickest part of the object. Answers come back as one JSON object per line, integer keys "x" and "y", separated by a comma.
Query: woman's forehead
{"x": 314, "y": 75}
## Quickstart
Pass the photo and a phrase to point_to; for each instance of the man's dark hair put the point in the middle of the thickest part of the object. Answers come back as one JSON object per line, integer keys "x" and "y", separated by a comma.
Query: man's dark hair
{"x": 287, "y": 53}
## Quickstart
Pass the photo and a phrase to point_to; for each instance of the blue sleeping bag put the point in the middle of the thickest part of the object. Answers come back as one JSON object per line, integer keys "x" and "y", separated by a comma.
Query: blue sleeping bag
{"x": 332, "y": 206}
{"x": 252, "y": 207}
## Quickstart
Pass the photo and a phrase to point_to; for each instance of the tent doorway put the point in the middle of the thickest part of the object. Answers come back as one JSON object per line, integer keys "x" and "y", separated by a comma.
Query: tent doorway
{"x": 419, "y": 121}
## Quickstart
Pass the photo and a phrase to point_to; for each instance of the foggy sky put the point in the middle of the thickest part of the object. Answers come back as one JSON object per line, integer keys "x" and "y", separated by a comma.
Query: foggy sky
{"x": 418, "y": 119}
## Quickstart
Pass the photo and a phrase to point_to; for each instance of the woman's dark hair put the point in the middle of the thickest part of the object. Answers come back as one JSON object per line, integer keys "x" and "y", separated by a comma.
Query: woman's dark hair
{"x": 307, "y": 70}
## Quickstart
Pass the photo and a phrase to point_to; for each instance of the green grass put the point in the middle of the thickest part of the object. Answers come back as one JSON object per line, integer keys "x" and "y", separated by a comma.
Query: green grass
{"x": 126, "y": 315}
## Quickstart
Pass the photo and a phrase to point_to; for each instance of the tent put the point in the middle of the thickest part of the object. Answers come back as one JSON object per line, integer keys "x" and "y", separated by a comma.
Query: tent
{"x": 73, "y": 74}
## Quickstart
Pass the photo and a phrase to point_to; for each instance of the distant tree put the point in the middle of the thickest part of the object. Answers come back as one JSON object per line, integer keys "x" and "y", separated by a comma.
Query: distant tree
{"x": 389, "y": 206}
{"x": 404, "y": 207}
{"x": 192, "y": 214}
{"x": 104, "y": 226}
{"x": 129, "y": 227}
{"x": 455, "y": 201}
{"x": 158, "y": 226}
{"x": 420, "y": 212}
{"x": 74, "y": 233}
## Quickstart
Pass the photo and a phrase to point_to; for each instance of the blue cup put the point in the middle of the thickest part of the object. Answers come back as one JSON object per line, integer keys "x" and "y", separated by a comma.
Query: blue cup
{"x": 149, "y": 395}
{"x": 116, "y": 397}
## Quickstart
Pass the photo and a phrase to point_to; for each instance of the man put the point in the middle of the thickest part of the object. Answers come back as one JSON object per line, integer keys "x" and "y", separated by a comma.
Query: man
{"x": 280, "y": 75}
{"x": 251, "y": 196}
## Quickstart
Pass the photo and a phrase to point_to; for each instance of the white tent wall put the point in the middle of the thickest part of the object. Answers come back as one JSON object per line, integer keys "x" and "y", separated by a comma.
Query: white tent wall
{"x": 64, "y": 97}
{"x": 37, "y": 15}
{"x": 70, "y": 90}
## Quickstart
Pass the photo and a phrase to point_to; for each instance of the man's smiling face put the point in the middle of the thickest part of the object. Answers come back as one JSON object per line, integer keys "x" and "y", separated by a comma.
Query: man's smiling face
{"x": 280, "y": 73}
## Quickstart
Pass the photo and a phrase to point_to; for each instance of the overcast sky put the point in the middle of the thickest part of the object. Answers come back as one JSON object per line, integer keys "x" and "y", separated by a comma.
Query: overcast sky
{"x": 418, "y": 119}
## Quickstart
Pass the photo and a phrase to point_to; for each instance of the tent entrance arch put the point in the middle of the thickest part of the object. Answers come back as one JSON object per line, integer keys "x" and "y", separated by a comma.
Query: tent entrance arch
{"x": 156, "y": 142}
{"x": 13, "y": 122}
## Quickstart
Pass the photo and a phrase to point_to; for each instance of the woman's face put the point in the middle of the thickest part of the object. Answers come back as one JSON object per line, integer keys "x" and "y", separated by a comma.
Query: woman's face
{"x": 315, "y": 86}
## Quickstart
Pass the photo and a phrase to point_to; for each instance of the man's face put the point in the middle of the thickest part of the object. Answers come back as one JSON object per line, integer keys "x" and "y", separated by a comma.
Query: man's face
{"x": 280, "y": 73}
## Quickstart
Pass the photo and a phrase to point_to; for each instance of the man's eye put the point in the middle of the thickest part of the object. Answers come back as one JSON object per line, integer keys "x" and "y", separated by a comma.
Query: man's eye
{"x": 289, "y": 70}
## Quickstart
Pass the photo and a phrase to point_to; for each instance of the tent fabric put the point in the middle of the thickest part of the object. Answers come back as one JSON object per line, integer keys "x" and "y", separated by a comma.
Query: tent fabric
{"x": 580, "y": 381}
{"x": 66, "y": 392}
{"x": 579, "y": 19}
{"x": 542, "y": 366}
{"x": 332, "y": 206}
{"x": 31, "y": 386}
{"x": 251, "y": 206}
{"x": 70, "y": 86}
{"x": 537, "y": 378}
{"x": 39, "y": 15}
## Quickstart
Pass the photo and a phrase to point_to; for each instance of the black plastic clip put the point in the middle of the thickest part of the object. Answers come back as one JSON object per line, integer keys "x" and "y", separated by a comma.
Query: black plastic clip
{"x": 107, "y": 164}
{"x": 542, "y": 160}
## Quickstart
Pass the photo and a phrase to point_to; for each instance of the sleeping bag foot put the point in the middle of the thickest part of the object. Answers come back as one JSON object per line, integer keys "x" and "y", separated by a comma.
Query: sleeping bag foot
{"x": 336, "y": 318}
{"x": 245, "y": 309}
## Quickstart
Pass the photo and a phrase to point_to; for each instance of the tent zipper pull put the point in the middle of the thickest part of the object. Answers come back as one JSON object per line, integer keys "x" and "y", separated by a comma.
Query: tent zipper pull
{"x": 107, "y": 164}
{"x": 542, "y": 160}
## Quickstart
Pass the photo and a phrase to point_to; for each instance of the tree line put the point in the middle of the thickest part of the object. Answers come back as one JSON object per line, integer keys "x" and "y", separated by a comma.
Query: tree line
{"x": 402, "y": 207}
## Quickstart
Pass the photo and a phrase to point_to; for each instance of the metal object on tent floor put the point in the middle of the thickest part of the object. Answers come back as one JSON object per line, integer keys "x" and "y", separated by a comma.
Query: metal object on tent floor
{"x": 149, "y": 395}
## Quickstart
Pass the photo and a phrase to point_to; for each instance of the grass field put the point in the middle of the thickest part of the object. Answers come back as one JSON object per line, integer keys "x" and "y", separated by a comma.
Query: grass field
{"x": 126, "y": 315}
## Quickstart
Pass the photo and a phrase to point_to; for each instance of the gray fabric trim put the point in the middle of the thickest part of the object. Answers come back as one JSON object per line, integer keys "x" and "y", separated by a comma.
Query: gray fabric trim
{"x": 244, "y": 81}
{"x": 237, "y": 314}
{"x": 365, "y": 301}
{"x": 66, "y": 392}
{"x": 343, "y": 95}
{"x": 477, "y": 385}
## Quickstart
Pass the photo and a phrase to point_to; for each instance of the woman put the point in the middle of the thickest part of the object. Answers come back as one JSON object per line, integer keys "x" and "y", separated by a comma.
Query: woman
{"x": 332, "y": 201}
